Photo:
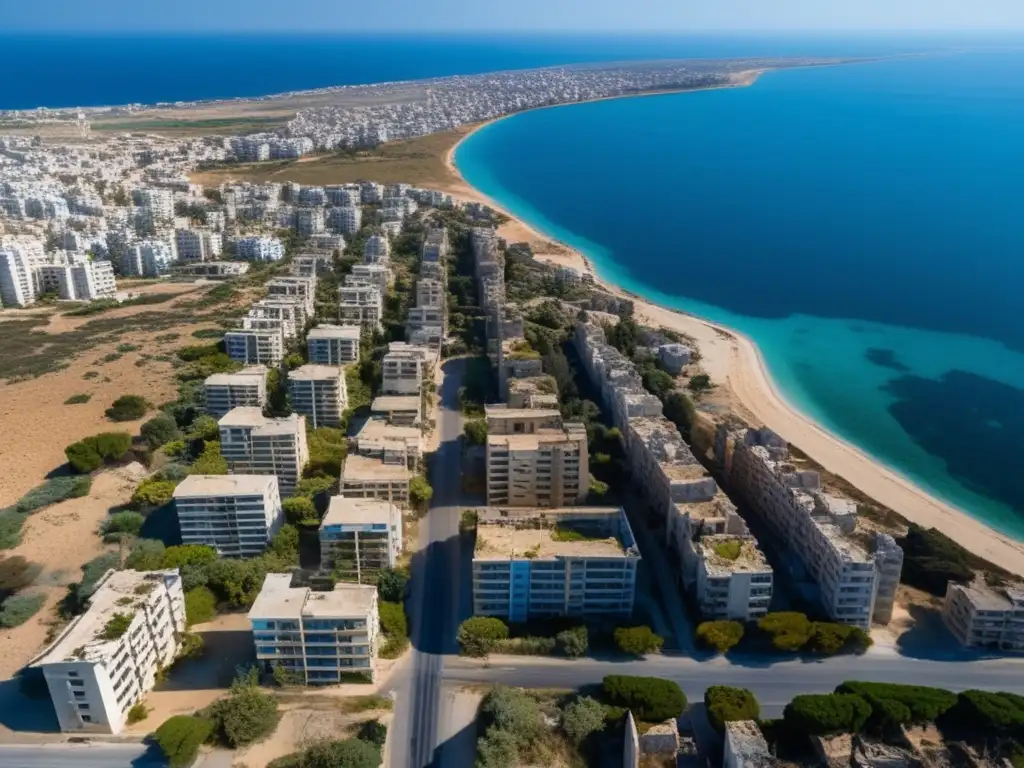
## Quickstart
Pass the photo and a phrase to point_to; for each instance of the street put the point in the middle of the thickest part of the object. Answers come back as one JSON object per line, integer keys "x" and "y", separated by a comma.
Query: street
{"x": 436, "y": 584}
{"x": 96, "y": 755}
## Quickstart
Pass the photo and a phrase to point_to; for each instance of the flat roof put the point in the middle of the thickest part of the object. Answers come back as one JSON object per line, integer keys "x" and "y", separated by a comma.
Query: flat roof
{"x": 684, "y": 471}
{"x": 224, "y": 485}
{"x": 522, "y": 413}
{"x": 986, "y": 598}
{"x": 103, "y": 605}
{"x": 396, "y": 403}
{"x": 315, "y": 372}
{"x": 716, "y": 551}
{"x": 381, "y": 429}
{"x": 248, "y": 416}
{"x": 530, "y": 441}
{"x": 345, "y": 510}
{"x": 513, "y": 532}
{"x": 243, "y": 376}
{"x": 278, "y": 599}
{"x": 358, "y": 467}
{"x": 350, "y": 332}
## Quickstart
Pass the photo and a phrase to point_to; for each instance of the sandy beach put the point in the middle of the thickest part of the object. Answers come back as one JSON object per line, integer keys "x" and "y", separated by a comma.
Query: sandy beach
{"x": 733, "y": 361}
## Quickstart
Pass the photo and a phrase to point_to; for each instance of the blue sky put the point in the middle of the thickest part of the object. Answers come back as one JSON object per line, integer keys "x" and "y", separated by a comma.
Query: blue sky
{"x": 606, "y": 15}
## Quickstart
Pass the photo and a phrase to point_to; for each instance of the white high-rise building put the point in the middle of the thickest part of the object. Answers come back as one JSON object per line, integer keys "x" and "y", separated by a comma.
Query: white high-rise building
{"x": 360, "y": 537}
{"x": 259, "y": 248}
{"x": 347, "y": 219}
{"x": 106, "y": 660}
{"x": 237, "y": 515}
{"x": 360, "y": 305}
{"x": 255, "y": 346}
{"x": 333, "y": 344}
{"x": 377, "y": 250}
{"x": 17, "y": 286}
{"x": 198, "y": 244}
{"x": 225, "y": 391}
{"x": 152, "y": 258}
{"x": 319, "y": 393}
{"x": 253, "y": 444}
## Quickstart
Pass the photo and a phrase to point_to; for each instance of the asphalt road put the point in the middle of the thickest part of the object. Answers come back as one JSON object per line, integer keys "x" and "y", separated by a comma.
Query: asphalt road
{"x": 80, "y": 756}
{"x": 774, "y": 684}
{"x": 434, "y": 602}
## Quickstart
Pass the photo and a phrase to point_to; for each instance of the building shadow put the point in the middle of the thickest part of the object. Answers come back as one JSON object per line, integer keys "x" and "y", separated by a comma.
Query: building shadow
{"x": 25, "y": 704}
{"x": 223, "y": 652}
{"x": 930, "y": 640}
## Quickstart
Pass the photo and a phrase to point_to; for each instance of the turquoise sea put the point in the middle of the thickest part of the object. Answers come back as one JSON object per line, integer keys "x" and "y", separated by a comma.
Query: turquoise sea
{"x": 863, "y": 224}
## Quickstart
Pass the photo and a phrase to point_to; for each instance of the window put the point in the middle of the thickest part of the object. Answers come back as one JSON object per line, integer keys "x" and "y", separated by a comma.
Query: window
{"x": 86, "y": 719}
{"x": 72, "y": 674}
{"x": 77, "y": 683}
{"x": 83, "y": 706}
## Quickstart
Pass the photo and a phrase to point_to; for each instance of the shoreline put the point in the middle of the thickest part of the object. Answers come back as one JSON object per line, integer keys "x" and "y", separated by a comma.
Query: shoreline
{"x": 734, "y": 360}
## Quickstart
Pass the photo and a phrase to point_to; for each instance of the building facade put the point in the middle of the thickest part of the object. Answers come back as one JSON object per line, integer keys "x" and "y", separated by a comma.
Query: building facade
{"x": 226, "y": 391}
{"x": 254, "y": 444}
{"x": 253, "y": 346}
{"x": 319, "y": 393}
{"x": 237, "y": 515}
{"x": 359, "y": 538}
{"x": 333, "y": 344}
{"x": 980, "y": 616}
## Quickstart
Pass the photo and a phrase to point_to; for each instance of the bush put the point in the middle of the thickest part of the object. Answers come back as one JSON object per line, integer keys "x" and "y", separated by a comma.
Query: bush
{"x": 512, "y": 710}
{"x": 931, "y": 560}
{"x": 526, "y": 646}
{"x": 121, "y": 523}
{"x": 174, "y": 448}
{"x": 18, "y": 609}
{"x": 497, "y": 748}
{"x": 83, "y": 458}
{"x": 725, "y": 705}
{"x": 90, "y": 454}
{"x": 789, "y": 630}
{"x": 311, "y": 487}
{"x": 996, "y": 714}
{"x": 204, "y": 428}
{"x": 78, "y": 399}
{"x": 420, "y": 491}
{"x": 128, "y": 408}
{"x": 393, "y": 620}
{"x": 373, "y": 732}
{"x": 573, "y": 643}
{"x": 286, "y": 544}
{"x": 346, "y": 753}
{"x": 159, "y": 430}
{"x": 153, "y": 493}
{"x": 830, "y": 713}
{"x": 16, "y": 573}
{"x": 188, "y": 554}
{"x": 475, "y": 431}
{"x": 196, "y": 352}
{"x": 649, "y": 698}
{"x": 246, "y": 715}
{"x": 180, "y": 738}
{"x": 477, "y": 636}
{"x": 299, "y": 509}
{"x": 637, "y": 641}
{"x": 582, "y": 717}
{"x": 391, "y": 583}
{"x": 200, "y": 605}
{"x": 191, "y": 646}
{"x": 328, "y": 448}
{"x": 826, "y": 638}
{"x": 210, "y": 461}
{"x": 720, "y": 636}
{"x": 137, "y": 713}
{"x": 147, "y": 555}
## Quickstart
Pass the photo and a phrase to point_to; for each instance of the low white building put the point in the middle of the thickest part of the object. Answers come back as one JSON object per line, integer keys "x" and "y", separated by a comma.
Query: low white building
{"x": 319, "y": 393}
{"x": 980, "y": 616}
{"x": 402, "y": 372}
{"x": 333, "y": 344}
{"x": 198, "y": 244}
{"x": 734, "y": 580}
{"x": 106, "y": 660}
{"x": 237, "y": 515}
{"x": 321, "y": 637}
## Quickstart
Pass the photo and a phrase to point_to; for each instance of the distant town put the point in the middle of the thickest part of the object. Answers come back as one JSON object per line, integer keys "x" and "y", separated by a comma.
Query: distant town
{"x": 435, "y": 486}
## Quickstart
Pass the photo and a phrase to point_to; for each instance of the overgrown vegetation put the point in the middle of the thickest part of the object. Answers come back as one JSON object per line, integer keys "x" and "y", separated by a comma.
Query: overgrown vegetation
{"x": 128, "y": 408}
{"x": 720, "y": 636}
{"x": 790, "y": 631}
{"x": 52, "y": 491}
{"x": 90, "y": 453}
{"x": 649, "y": 698}
{"x": 725, "y": 704}
{"x": 78, "y": 399}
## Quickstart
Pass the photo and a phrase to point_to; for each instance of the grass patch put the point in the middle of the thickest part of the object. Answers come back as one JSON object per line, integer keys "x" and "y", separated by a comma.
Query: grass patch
{"x": 365, "y": 703}
{"x": 78, "y": 399}
{"x": 18, "y": 609}
{"x": 124, "y": 348}
{"x": 208, "y": 333}
{"x": 729, "y": 550}
{"x": 165, "y": 337}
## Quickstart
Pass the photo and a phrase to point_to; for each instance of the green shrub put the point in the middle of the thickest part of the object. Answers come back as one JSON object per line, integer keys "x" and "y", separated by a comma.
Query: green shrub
{"x": 475, "y": 431}
{"x": 200, "y": 605}
{"x": 345, "y": 753}
{"x": 116, "y": 626}
{"x": 90, "y": 453}
{"x": 725, "y": 705}
{"x": 420, "y": 492}
{"x": 830, "y": 713}
{"x": 210, "y": 461}
{"x": 78, "y": 399}
{"x": 197, "y": 352}
{"x": 373, "y": 732}
{"x": 649, "y": 698}
{"x": 53, "y": 491}
{"x": 137, "y": 713}
{"x": 153, "y": 493}
{"x": 191, "y": 646}
{"x": 925, "y": 704}
{"x": 128, "y": 408}
{"x": 83, "y": 457}
{"x": 573, "y": 643}
{"x": 582, "y": 717}
{"x": 995, "y": 714}
{"x": 311, "y": 487}
{"x": 17, "y": 609}
{"x": 526, "y": 646}
{"x": 512, "y": 710}
{"x": 720, "y": 636}
{"x": 788, "y": 630}
{"x": 391, "y": 583}
{"x": 204, "y": 428}
{"x": 121, "y": 523}
{"x": 637, "y": 641}
{"x": 477, "y": 636}
{"x": 392, "y": 619}
{"x": 931, "y": 560}
{"x": 146, "y": 555}
{"x": 286, "y": 544}
{"x": 159, "y": 430}
{"x": 299, "y": 509}
{"x": 180, "y": 738}
{"x": 497, "y": 748}
{"x": 246, "y": 715}
{"x": 328, "y": 448}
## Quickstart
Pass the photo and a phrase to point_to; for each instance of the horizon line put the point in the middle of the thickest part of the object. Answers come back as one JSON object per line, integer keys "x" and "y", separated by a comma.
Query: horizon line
{"x": 435, "y": 31}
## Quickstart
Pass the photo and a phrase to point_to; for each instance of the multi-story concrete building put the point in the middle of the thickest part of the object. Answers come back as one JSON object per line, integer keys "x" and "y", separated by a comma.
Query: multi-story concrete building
{"x": 377, "y": 250}
{"x": 365, "y": 477}
{"x": 734, "y": 580}
{"x": 530, "y": 564}
{"x": 360, "y": 304}
{"x": 259, "y": 248}
{"x": 91, "y": 280}
{"x": 302, "y": 289}
{"x": 430, "y": 293}
{"x": 435, "y": 245}
{"x": 403, "y": 370}
{"x": 378, "y": 275}
{"x": 152, "y": 258}
{"x": 198, "y": 244}
{"x": 17, "y": 283}
{"x": 106, "y": 660}
{"x": 980, "y": 616}
{"x": 360, "y": 537}
{"x": 533, "y": 460}
{"x": 237, "y": 515}
{"x": 347, "y": 219}
{"x": 333, "y": 344}
{"x": 319, "y": 393}
{"x": 401, "y": 410}
{"x": 320, "y": 636}
{"x": 226, "y": 391}
{"x": 256, "y": 445}
{"x": 309, "y": 221}
{"x": 254, "y": 346}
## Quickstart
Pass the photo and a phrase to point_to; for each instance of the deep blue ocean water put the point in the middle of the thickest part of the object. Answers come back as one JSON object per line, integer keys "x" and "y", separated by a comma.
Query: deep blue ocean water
{"x": 69, "y": 70}
{"x": 863, "y": 224}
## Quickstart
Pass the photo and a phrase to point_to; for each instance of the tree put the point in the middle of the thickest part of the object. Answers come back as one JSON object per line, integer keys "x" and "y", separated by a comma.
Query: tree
{"x": 246, "y": 715}
{"x": 497, "y": 748}
{"x": 180, "y": 737}
{"x": 393, "y": 620}
{"x": 573, "y": 643}
{"x": 120, "y": 524}
{"x": 204, "y": 428}
{"x": 478, "y": 636}
{"x": 512, "y": 710}
{"x": 83, "y": 457}
{"x": 153, "y": 493}
{"x": 146, "y": 555}
{"x": 346, "y": 753}
{"x": 822, "y": 715}
{"x": 726, "y": 704}
{"x": 475, "y": 431}
{"x": 299, "y": 509}
{"x": 997, "y": 714}
{"x": 680, "y": 410}
{"x": 188, "y": 554}
{"x": 932, "y": 560}
{"x": 200, "y": 606}
{"x": 637, "y": 641}
{"x": 649, "y": 698}
{"x": 286, "y": 543}
{"x": 312, "y": 487}
{"x": 128, "y": 408}
{"x": 159, "y": 430}
{"x": 391, "y": 584}
{"x": 582, "y": 717}
{"x": 210, "y": 461}
{"x": 789, "y": 630}
{"x": 420, "y": 491}
{"x": 925, "y": 704}
{"x": 720, "y": 635}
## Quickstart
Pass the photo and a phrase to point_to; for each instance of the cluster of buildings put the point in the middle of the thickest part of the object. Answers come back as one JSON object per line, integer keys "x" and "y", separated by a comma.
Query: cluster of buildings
{"x": 27, "y": 273}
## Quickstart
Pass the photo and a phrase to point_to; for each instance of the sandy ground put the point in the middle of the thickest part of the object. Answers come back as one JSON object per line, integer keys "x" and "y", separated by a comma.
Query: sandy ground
{"x": 732, "y": 358}
{"x": 62, "y": 538}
